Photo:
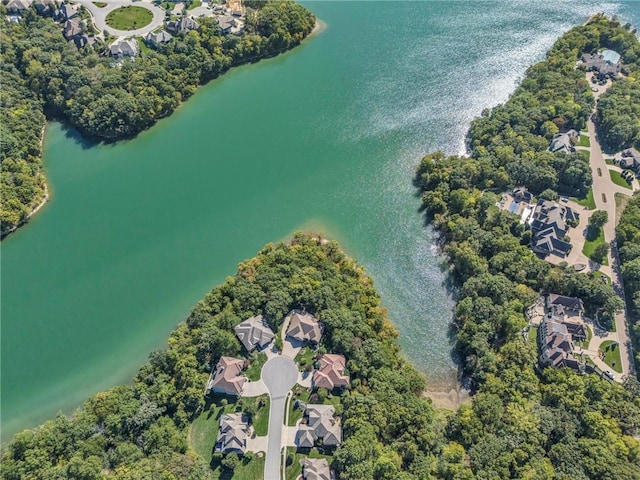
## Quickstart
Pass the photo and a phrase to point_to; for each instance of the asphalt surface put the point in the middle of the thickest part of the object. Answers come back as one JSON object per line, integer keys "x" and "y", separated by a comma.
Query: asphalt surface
{"x": 279, "y": 374}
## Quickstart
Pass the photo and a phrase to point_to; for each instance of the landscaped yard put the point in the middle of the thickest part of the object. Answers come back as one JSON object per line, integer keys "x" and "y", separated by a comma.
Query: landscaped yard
{"x": 532, "y": 337}
{"x": 249, "y": 468}
{"x": 584, "y": 141}
{"x": 261, "y": 418}
{"x": 295, "y": 468}
{"x": 304, "y": 395}
{"x": 592, "y": 242}
{"x": 195, "y": 4}
{"x": 305, "y": 357}
{"x": 618, "y": 180}
{"x": 204, "y": 429}
{"x": 255, "y": 366}
{"x": 611, "y": 351}
{"x": 588, "y": 201}
{"x": 129, "y": 18}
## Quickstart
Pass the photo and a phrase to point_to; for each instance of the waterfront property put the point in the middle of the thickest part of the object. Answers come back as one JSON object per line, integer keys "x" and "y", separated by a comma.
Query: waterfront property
{"x": 606, "y": 63}
{"x": 564, "y": 142}
{"x": 517, "y": 202}
{"x": 154, "y": 39}
{"x": 304, "y": 327}
{"x": 331, "y": 375}
{"x": 183, "y": 25}
{"x": 227, "y": 377}
{"x": 562, "y": 325}
{"x": 319, "y": 424}
{"x": 550, "y": 222}
{"x": 254, "y": 333}
{"x": 233, "y": 433}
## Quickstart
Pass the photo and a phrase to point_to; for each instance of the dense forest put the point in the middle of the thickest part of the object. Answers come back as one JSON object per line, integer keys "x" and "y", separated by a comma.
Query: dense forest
{"x": 523, "y": 423}
{"x": 41, "y": 71}
{"x": 628, "y": 240}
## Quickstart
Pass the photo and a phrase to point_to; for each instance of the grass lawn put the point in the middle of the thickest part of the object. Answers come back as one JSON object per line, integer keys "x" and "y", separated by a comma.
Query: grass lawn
{"x": 99, "y": 4}
{"x": 621, "y": 203}
{"x": 248, "y": 469}
{"x": 305, "y": 356}
{"x": 195, "y": 4}
{"x": 261, "y": 418}
{"x": 584, "y": 141}
{"x": 294, "y": 469}
{"x": 144, "y": 48}
{"x": 611, "y": 352}
{"x": 590, "y": 245}
{"x": 588, "y": 201}
{"x": 204, "y": 429}
{"x": 303, "y": 394}
{"x": 618, "y": 180}
{"x": 129, "y": 18}
{"x": 255, "y": 366}
{"x": 532, "y": 337}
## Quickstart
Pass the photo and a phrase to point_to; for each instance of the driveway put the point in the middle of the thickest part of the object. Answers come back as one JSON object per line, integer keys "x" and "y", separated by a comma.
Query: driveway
{"x": 279, "y": 374}
{"x": 99, "y": 16}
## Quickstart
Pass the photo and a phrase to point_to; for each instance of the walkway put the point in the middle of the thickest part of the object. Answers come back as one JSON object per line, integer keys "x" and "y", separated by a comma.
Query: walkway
{"x": 279, "y": 375}
{"x": 99, "y": 16}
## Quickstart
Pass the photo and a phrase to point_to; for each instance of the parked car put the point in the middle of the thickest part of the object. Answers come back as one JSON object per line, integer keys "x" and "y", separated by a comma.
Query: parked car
{"x": 609, "y": 374}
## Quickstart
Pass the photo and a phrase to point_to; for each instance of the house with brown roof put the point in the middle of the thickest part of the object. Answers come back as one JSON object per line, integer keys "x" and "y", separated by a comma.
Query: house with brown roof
{"x": 331, "y": 375}
{"x": 556, "y": 345}
{"x": 319, "y": 426}
{"x": 304, "y": 327}
{"x": 560, "y": 305}
{"x": 316, "y": 469}
{"x": 254, "y": 333}
{"x": 227, "y": 376}
{"x": 233, "y": 433}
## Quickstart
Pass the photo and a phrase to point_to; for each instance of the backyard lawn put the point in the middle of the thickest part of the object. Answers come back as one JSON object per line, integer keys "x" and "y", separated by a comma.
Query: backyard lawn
{"x": 588, "y": 201}
{"x": 618, "y": 180}
{"x": 592, "y": 242}
{"x": 584, "y": 141}
{"x": 256, "y": 362}
{"x": 249, "y": 468}
{"x": 611, "y": 352}
{"x": 129, "y": 18}
{"x": 303, "y": 394}
{"x": 305, "y": 356}
{"x": 532, "y": 337}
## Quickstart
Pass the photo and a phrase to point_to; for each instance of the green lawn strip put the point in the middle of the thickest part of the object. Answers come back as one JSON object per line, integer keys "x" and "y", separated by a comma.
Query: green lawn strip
{"x": 589, "y": 334}
{"x": 611, "y": 352}
{"x": 294, "y": 468}
{"x": 584, "y": 141}
{"x": 621, "y": 202}
{"x": 99, "y": 4}
{"x": 532, "y": 337}
{"x": 305, "y": 357}
{"x": 144, "y": 48}
{"x": 250, "y": 467}
{"x": 618, "y": 180}
{"x": 590, "y": 245}
{"x": 588, "y": 201}
{"x": 608, "y": 161}
{"x": 195, "y": 4}
{"x": 129, "y": 18}
{"x": 256, "y": 362}
{"x": 261, "y": 418}
{"x": 295, "y": 414}
{"x": 204, "y": 429}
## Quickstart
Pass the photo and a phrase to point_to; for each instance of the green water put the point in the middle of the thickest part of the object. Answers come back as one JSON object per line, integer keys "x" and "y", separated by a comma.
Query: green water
{"x": 324, "y": 137}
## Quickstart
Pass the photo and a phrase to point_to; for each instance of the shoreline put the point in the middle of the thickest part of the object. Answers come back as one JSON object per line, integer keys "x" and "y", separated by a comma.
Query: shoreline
{"x": 45, "y": 196}
{"x": 319, "y": 27}
{"x": 451, "y": 400}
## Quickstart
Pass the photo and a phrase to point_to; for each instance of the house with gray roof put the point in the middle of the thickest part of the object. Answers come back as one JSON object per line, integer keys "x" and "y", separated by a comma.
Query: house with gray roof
{"x": 45, "y": 7}
{"x": 630, "y": 159}
{"x": 606, "y": 64}
{"x": 229, "y": 24}
{"x": 562, "y": 142}
{"x": 316, "y": 469}
{"x": 254, "y": 333}
{"x": 331, "y": 375}
{"x": 72, "y": 28}
{"x": 522, "y": 195}
{"x": 304, "y": 327}
{"x": 124, "y": 48}
{"x": 18, "y": 6}
{"x": 319, "y": 424}
{"x": 184, "y": 24}
{"x": 549, "y": 224}
{"x": 227, "y": 377}
{"x": 154, "y": 39}
{"x": 69, "y": 10}
{"x": 233, "y": 433}
{"x": 561, "y": 305}
{"x": 556, "y": 345}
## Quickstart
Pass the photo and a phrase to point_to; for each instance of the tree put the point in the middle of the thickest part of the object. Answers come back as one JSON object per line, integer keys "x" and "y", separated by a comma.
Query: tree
{"x": 598, "y": 219}
{"x": 600, "y": 252}
{"x": 230, "y": 461}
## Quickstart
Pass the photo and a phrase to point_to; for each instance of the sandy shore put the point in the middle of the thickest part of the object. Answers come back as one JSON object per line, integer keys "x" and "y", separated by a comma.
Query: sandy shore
{"x": 450, "y": 400}
{"x": 318, "y": 29}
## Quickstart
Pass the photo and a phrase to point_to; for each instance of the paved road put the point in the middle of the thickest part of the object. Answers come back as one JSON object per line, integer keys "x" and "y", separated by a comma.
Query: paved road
{"x": 99, "y": 16}
{"x": 279, "y": 374}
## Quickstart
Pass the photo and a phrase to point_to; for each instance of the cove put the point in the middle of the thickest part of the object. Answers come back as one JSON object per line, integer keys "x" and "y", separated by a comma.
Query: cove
{"x": 324, "y": 137}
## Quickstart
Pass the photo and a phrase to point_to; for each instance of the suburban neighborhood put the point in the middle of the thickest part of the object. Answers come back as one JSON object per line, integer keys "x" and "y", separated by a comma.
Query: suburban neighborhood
{"x": 303, "y": 388}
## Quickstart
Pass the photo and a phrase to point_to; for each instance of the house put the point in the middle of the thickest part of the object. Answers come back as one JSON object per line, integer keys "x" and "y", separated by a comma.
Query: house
{"x": 227, "y": 376}
{"x": 45, "y": 7}
{"x": 549, "y": 225}
{"x": 254, "y": 332}
{"x": 233, "y": 433}
{"x": 522, "y": 195}
{"x": 155, "y": 39}
{"x": 331, "y": 375}
{"x": 321, "y": 425}
{"x": 124, "y": 48}
{"x": 183, "y": 25}
{"x": 227, "y": 24}
{"x": 316, "y": 469}
{"x": 72, "y": 28}
{"x": 304, "y": 327}
{"x": 561, "y": 142}
{"x": 69, "y": 11}
{"x": 630, "y": 159}
{"x": 606, "y": 63}
{"x": 559, "y": 305}
{"x": 18, "y": 6}
{"x": 556, "y": 345}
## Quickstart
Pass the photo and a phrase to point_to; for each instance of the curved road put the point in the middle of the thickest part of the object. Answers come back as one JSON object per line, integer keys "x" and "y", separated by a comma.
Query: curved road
{"x": 279, "y": 374}
{"x": 99, "y": 16}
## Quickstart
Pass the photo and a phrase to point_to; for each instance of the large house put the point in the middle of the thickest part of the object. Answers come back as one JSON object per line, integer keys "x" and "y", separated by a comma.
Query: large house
{"x": 183, "y": 25}
{"x": 229, "y": 24}
{"x": 304, "y": 327}
{"x": 18, "y": 6}
{"x": 630, "y": 159}
{"x": 605, "y": 63}
{"x": 561, "y": 306}
{"x": 557, "y": 333}
{"x": 232, "y": 436}
{"x": 124, "y": 48}
{"x": 155, "y": 39}
{"x": 316, "y": 469}
{"x": 254, "y": 333}
{"x": 227, "y": 377}
{"x": 321, "y": 425}
{"x": 331, "y": 375}
{"x": 549, "y": 224}
{"x": 69, "y": 11}
{"x": 561, "y": 142}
